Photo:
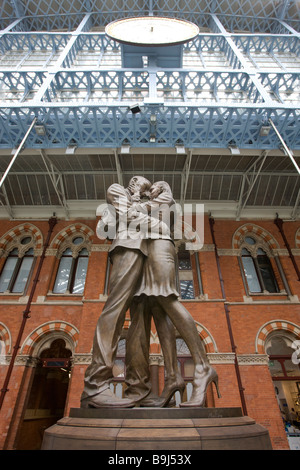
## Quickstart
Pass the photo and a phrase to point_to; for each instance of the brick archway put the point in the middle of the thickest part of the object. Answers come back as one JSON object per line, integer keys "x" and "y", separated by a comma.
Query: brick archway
{"x": 15, "y": 233}
{"x": 70, "y": 231}
{"x": 270, "y": 326}
{"x": 35, "y": 337}
{"x": 257, "y": 231}
{"x": 206, "y": 337}
{"x": 5, "y": 338}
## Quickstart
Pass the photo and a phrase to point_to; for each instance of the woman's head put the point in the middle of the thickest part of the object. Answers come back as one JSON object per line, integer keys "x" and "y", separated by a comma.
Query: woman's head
{"x": 139, "y": 184}
{"x": 158, "y": 187}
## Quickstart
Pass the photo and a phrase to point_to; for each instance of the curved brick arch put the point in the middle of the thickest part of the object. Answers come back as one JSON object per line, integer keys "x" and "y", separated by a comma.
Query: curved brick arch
{"x": 248, "y": 229}
{"x": 57, "y": 326}
{"x": 5, "y": 338}
{"x": 270, "y": 326}
{"x": 15, "y": 233}
{"x": 207, "y": 338}
{"x": 71, "y": 230}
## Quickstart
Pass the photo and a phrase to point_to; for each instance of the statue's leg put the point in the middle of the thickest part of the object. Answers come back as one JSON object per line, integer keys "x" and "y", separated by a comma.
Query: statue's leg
{"x": 137, "y": 351}
{"x": 204, "y": 374}
{"x": 126, "y": 271}
{"x": 166, "y": 333}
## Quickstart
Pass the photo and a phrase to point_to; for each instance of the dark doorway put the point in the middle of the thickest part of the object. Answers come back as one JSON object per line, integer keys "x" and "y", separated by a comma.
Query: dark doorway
{"x": 47, "y": 396}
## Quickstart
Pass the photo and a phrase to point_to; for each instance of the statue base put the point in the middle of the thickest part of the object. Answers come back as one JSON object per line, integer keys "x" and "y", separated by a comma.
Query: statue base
{"x": 175, "y": 429}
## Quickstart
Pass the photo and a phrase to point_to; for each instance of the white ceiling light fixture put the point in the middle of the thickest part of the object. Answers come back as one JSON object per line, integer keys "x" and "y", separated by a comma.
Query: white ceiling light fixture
{"x": 70, "y": 150}
{"x": 234, "y": 149}
{"x": 152, "y": 31}
{"x": 180, "y": 149}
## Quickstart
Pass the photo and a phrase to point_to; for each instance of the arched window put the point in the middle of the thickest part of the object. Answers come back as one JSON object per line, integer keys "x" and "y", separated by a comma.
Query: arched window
{"x": 187, "y": 285}
{"x": 17, "y": 268}
{"x": 72, "y": 269}
{"x": 257, "y": 267}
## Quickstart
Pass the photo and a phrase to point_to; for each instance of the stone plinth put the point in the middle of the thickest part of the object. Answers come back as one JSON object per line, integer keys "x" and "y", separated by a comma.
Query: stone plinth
{"x": 156, "y": 429}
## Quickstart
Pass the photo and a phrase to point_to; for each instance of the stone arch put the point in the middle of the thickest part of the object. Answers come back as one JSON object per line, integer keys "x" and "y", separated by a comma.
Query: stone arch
{"x": 255, "y": 231}
{"x": 205, "y": 335}
{"x": 12, "y": 238}
{"x": 40, "y": 338}
{"x": 71, "y": 232}
{"x": 207, "y": 338}
{"x": 5, "y": 340}
{"x": 271, "y": 326}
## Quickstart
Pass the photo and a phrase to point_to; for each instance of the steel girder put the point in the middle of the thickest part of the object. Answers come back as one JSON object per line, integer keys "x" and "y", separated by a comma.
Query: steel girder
{"x": 251, "y": 15}
{"x": 111, "y": 126}
{"x": 207, "y": 107}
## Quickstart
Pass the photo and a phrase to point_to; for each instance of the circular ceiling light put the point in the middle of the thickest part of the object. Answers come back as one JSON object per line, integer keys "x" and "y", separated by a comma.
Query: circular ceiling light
{"x": 152, "y": 31}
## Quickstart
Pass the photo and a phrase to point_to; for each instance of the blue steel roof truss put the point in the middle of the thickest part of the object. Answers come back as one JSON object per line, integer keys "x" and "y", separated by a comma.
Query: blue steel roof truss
{"x": 88, "y": 104}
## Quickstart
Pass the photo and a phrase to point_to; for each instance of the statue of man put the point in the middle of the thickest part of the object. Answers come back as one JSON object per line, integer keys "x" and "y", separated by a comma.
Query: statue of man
{"x": 127, "y": 254}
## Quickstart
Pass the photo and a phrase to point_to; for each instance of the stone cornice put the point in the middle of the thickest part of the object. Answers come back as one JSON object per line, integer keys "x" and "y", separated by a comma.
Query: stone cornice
{"x": 253, "y": 359}
{"x": 154, "y": 359}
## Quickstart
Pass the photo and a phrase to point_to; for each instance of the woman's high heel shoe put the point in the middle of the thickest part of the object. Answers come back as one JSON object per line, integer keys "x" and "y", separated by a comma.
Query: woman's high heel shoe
{"x": 170, "y": 390}
{"x": 164, "y": 399}
{"x": 200, "y": 388}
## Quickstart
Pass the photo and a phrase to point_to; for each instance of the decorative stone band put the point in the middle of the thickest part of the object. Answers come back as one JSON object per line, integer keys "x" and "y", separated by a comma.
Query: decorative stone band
{"x": 253, "y": 359}
{"x": 214, "y": 358}
{"x": 154, "y": 359}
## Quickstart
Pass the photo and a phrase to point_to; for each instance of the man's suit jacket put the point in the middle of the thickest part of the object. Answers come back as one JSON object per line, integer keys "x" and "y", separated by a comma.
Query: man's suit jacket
{"x": 126, "y": 234}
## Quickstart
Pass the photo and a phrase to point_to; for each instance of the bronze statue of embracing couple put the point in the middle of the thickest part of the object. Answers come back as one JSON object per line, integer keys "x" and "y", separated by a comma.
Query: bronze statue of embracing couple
{"x": 143, "y": 280}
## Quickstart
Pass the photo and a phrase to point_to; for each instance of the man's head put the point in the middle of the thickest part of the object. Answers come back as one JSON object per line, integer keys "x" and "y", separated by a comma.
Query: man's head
{"x": 139, "y": 184}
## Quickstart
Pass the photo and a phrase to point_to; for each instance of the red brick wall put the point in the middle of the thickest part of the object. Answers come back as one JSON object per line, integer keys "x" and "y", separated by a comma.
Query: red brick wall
{"x": 246, "y": 320}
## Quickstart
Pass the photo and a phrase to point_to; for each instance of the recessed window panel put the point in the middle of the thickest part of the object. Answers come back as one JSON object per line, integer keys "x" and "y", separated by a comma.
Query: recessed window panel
{"x": 251, "y": 275}
{"x": 23, "y": 273}
{"x": 7, "y": 272}
{"x": 80, "y": 276}
{"x": 267, "y": 273}
{"x": 71, "y": 273}
{"x": 187, "y": 290}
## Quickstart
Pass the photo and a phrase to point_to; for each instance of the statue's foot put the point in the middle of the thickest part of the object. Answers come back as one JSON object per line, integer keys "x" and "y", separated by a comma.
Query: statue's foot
{"x": 152, "y": 401}
{"x": 157, "y": 402}
{"x": 200, "y": 388}
{"x": 170, "y": 388}
{"x": 106, "y": 399}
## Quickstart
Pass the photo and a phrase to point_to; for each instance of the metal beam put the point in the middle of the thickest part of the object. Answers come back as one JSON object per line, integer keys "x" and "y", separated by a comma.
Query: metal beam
{"x": 118, "y": 166}
{"x": 285, "y": 147}
{"x": 56, "y": 178}
{"x": 185, "y": 175}
{"x": 18, "y": 151}
{"x": 251, "y": 182}
{"x": 7, "y": 206}
{"x": 296, "y": 207}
